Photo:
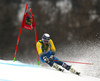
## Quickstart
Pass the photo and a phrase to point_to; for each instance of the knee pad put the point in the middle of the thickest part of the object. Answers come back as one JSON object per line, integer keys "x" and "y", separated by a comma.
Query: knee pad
{"x": 51, "y": 63}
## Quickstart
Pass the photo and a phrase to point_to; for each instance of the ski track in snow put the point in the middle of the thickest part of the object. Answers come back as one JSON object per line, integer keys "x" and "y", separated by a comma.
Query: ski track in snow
{"x": 17, "y": 71}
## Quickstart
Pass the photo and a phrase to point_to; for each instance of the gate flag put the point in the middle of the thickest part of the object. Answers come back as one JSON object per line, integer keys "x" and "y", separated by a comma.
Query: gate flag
{"x": 27, "y": 22}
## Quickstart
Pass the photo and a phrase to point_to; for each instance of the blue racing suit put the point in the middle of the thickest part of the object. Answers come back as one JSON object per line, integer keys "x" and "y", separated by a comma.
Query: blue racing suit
{"x": 47, "y": 51}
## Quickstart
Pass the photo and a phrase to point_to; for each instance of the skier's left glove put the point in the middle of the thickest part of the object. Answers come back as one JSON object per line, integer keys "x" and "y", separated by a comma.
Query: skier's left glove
{"x": 51, "y": 58}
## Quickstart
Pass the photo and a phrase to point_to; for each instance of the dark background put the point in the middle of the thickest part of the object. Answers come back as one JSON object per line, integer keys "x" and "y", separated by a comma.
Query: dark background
{"x": 81, "y": 23}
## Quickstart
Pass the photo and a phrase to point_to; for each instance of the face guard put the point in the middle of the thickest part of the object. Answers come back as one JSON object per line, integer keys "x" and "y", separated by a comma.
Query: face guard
{"x": 46, "y": 38}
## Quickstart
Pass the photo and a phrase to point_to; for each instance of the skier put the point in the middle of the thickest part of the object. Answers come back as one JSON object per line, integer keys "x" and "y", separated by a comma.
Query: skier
{"x": 46, "y": 51}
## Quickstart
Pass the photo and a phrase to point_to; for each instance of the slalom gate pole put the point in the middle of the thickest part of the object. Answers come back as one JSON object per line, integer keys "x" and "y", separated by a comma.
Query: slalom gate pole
{"x": 35, "y": 35}
{"x": 36, "y": 48}
{"x": 17, "y": 44}
{"x": 19, "y": 35}
{"x": 76, "y": 62}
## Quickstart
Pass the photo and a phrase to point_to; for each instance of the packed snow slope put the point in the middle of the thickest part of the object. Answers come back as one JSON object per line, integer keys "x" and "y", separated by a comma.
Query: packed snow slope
{"x": 17, "y": 71}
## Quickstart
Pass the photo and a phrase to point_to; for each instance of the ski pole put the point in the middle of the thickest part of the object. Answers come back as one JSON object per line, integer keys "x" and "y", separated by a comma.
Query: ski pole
{"x": 75, "y": 62}
{"x": 79, "y": 62}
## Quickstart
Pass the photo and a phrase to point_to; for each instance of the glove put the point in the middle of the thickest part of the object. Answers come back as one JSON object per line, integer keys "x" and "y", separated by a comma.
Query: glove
{"x": 51, "y": 58}
{"x": 46, "y": 59}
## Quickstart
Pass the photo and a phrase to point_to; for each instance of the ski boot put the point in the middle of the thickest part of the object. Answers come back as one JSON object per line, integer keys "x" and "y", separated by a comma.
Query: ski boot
{"x": 74, "y": 71}
{"x": 77, "y": 73}
{"x": 57, "y": 67}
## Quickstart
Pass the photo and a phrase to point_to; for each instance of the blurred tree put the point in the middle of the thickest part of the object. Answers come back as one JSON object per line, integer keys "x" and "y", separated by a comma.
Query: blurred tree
{"x": 81, "y": 22}
{"x": 8, "y": 23}
{"x": 80, "y": 19}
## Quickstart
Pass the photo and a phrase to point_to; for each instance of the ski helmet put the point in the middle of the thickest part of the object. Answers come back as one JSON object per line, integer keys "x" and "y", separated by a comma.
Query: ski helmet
{"x": 46, "y": 37}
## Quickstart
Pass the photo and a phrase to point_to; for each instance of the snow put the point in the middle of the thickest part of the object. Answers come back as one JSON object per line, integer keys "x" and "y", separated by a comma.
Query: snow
{"x": 17, "y": 71}
{"x": 65, "y": 6}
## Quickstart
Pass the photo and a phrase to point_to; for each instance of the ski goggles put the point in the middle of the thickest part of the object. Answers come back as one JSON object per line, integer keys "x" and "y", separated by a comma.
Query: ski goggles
{"x": 46, "y": 41}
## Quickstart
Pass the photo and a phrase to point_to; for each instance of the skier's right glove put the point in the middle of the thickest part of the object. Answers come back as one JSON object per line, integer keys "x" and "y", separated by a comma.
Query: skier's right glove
{"x": 46, "y": 59}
